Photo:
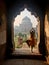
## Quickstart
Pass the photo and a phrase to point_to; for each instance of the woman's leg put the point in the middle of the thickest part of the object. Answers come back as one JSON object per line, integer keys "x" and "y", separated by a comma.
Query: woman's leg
{"x": 32, "y": 49}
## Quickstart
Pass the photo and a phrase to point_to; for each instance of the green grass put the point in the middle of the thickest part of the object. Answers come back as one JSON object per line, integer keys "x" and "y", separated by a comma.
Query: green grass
{"x": 16, "y": 41}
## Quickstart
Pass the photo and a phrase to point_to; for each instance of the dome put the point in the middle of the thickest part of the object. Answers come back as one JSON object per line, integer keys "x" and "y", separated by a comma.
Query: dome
{"x": 26, "y": 20}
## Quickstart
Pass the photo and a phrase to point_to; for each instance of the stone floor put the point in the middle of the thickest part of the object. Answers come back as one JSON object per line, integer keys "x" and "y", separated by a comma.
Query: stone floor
{"x": 24, "y": 62}
{"x": 26, "y": 57}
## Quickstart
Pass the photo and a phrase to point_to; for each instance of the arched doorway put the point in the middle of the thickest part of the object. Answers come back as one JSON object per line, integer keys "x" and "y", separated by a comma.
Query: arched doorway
{"x": 23, "y": 23}
{"x": 10, "y": 35}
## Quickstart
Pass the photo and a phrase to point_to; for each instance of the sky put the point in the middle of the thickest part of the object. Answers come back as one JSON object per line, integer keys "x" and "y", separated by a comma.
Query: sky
{"x": 25, "y": 12}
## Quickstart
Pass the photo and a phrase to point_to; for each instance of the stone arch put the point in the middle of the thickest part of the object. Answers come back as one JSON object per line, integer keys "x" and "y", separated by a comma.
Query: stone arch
{"x": 34, "y": 12}
{"x": 38, "y": 25}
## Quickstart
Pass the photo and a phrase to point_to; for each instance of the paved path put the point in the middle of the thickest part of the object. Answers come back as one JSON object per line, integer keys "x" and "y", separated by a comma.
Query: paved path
{"x": 26, "y": 50}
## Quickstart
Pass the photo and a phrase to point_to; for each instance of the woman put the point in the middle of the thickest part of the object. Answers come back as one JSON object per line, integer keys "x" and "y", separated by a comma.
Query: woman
{"x": 32, "y": 41}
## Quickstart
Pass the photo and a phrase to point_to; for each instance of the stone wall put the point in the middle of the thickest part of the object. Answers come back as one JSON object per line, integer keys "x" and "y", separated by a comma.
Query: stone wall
{"x": 47, "y": 33}
{"x": 2, "y": 30}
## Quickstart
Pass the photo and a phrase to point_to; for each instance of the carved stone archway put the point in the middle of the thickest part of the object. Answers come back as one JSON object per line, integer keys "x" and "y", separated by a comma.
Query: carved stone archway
{"x": 10, "y": 29}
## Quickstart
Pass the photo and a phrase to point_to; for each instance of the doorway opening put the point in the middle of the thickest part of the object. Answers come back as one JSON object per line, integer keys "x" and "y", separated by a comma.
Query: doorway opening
{"x": 23, "y": 24}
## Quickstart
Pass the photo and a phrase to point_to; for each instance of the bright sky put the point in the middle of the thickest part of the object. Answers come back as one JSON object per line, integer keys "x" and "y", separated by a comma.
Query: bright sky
{"x": 24, "y": 13}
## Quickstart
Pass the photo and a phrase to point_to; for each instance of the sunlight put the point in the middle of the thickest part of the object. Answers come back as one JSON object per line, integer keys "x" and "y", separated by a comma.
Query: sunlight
{"x": 24, "y": 13}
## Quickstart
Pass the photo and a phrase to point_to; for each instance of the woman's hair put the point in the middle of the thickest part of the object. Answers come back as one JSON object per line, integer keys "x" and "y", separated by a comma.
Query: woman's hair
{"x": 32, "y": 31}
